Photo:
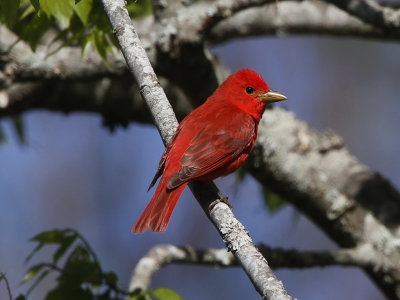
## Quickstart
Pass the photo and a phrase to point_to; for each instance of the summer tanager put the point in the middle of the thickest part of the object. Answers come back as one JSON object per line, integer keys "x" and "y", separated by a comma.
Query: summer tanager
{"x": 212, "y": 141}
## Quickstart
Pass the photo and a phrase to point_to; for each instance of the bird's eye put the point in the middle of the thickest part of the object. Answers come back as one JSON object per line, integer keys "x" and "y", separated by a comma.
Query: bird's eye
{"x": 249, "y": 90}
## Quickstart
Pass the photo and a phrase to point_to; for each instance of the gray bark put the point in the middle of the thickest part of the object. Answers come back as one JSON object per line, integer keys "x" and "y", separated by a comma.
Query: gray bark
{"x": 163, "y": 255}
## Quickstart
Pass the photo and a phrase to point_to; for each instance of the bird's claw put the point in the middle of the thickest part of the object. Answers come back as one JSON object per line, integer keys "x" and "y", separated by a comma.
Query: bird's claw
{"x": 221, "y": 198}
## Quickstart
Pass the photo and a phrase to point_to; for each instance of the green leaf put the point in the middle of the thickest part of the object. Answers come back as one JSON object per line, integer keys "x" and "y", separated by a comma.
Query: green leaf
{"x": 36, "y": 4}
{"x": 99, "y": 18}
{"x": 64, "y": 238}
{"x": 273, "y": 201}
{"x": 30, "y": 9}
{"x": 111, "y": 278}
{"x": 20, "y": 297}
{"x": 100, "y": 43}
{"x": 83, "y": 8}
{"x": 62, "y": 10}
{"x": 80, "y": 277}
{"x": 32, "y": 29}
{"x": 33, "y": 271}
{"x": 9, "y": 12}
{"x": 79, "y": 268}
{"x": 64, "y": 246}
{"x": 75, "y": 32}
{"x": 139, "y": 8}
{"x": 141, "y": 295}
{"x": 166, "y": 294}
{"x": 56, "y": 236}
{"x": 2, "y": 136}
{"x": 65, "y": 292}
{"x": 19, "y": 129}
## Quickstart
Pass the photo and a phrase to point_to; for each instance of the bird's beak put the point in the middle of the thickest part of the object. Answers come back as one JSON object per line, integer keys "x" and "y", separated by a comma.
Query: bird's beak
{"x": 271, "y": 96}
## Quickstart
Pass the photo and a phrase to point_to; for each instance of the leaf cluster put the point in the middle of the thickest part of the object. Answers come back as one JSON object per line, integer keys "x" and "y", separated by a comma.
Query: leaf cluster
{"x": 81, "y": 23}
{"x": 69, "y": 22}
{"x": 78, "y": 272}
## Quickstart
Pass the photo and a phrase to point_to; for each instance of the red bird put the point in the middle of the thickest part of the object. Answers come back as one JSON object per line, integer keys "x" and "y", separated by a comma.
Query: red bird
{"x": 212, "y": 141}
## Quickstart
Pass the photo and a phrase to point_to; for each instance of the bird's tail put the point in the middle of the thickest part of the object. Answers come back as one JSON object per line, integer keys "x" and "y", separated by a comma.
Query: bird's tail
{"x": 157, "y": 213}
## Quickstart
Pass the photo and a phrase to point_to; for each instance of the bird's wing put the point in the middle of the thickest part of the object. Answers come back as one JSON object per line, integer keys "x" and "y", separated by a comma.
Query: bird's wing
{"x": 207, "y": 151}
{"x": 161, "y": 164}
{"x": 160, "y": 169}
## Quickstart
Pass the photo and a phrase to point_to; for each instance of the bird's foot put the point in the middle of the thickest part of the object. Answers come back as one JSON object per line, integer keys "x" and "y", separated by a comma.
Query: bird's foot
{"x": 221, "y": 198}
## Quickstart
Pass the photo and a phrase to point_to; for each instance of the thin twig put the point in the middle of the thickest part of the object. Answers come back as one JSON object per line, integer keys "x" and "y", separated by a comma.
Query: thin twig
{"x": 3, "y": 277}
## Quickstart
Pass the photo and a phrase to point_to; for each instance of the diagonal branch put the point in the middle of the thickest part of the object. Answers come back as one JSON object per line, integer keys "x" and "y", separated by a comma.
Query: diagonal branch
{"x": 233, "y": 233}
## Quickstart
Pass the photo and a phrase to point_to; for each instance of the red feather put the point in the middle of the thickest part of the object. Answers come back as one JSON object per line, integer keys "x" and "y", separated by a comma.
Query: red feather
{"x": 212, "y": 141}
{"x": 158, "y": 212}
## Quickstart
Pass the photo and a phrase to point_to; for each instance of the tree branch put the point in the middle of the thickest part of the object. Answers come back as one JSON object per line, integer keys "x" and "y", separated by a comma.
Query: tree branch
{"x": 293, "y": 17}
{"x": 371, "y": 12}
{"x": 361, "y": 256}
{"x": 195, "y": 24}
{"x": 316, "y": 174}
{"x": 230, "y": 229}
{"x": 20, "y": 64}
{"x": 160, "y": 256}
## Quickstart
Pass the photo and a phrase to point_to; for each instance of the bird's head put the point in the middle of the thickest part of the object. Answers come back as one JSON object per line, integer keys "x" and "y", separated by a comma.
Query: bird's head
{"x": 247, "y": 90}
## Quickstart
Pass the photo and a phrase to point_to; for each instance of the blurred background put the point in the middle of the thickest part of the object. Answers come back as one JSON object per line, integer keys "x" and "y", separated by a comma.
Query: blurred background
{"x": 74, "y": 173}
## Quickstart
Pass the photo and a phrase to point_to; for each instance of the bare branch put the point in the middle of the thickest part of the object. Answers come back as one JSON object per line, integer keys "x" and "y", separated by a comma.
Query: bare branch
{"x": 162, "y": 255}
{"x": 185, "y": 30}
{"x": 195, "y": 24}
{"x": 371, "y": 12}
{"x": 230, "y": 229}
{"x": 317, "y": 174}
{"x": 293, "y": 17}
{"x": 21, "y": 64}
{"x": 158, "y": 257}
{"x": 317, "y": 168}
{"x": 224, "y": 9}
{"x": 362, "y": 256}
